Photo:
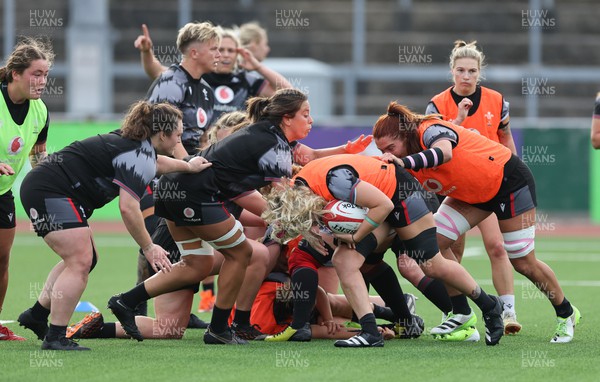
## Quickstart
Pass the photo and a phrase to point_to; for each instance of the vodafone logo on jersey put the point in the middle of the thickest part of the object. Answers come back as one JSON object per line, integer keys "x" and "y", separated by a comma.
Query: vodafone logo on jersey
{"x": 15, "y": 145}
{"x": 201, "y": 117}
{"x": 432, "y": 185}
{"x": 189, "y": 212}
{"x": 224, "y": 94}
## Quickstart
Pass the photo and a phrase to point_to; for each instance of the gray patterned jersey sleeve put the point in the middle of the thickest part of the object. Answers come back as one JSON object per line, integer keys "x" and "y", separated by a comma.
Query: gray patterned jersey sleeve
{"x": 167, "y": 89}
{"x": 276, "y": 162}
{"x": 135, "y": 169}
{"x": 341, "y": 182}
{"x": 431, "y": 109}
{"x": 505, "y": 112}
{"x": 437, "y": 132}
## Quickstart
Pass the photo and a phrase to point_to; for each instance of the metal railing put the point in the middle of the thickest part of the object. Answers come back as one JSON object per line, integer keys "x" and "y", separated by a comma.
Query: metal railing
{"x": 356, "y": 71}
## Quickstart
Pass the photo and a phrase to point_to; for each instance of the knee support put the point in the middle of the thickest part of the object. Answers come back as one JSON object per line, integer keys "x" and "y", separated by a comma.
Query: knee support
{"x": 367, "y": 245}
{"x": 519, "y": 243}
{"x": 423, "y": 246}
{"x": 450, "y": 223}
{"x": 203, "y": 250}
{"x": 236, "y": 227}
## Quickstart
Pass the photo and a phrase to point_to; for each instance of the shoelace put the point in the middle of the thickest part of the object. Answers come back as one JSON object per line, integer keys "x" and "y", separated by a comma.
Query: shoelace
{"x": 446, "y": 319}
{"x": 561, "y": 329}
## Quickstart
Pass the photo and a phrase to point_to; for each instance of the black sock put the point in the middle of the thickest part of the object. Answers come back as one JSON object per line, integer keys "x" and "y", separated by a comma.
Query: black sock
{"x": 39, "y": 312}
{"x": 304, "y": 284}
{"x": 108, "y": 330}
{"x": 368, "y": 324}
{"x": 484, "y": 302}
{"x": 218, "y": 321}
{"x": 242, "y": 317}
{"x": 209, "y": 286}
{"x": 142, "y": 309}
{"x": 436, "y": 292}
{"x": 384, "y": 281}
{"x": 354, "y": 317}
{"x": 460, "y": 305}
{"x": 384, "y": 313}
{"x": 564, "y": 309}
{"x": 56, "y": 332}
{"x": 135, "y": 296}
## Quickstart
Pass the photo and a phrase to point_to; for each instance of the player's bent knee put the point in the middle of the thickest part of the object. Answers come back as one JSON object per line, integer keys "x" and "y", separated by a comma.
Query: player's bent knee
{"x": 519, "y": 243}
{"x": 522, "y": 266}
{"x": 439, "y": 272}
{"x": 422, "y": 247}
{"x": 496, "y": 250}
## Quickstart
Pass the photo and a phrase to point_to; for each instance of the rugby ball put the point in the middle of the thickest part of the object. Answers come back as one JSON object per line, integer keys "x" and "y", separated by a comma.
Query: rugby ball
{"x": 343, "y": 217}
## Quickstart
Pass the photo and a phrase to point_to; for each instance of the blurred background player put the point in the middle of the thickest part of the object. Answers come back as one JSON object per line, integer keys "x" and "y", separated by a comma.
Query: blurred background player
{"x": 485, "y": 111}
{"x": 24, "y": 125}
{"x": 233, "y": 80}
{"x": 254, "y": 38}
{"x": 595, "y": 134}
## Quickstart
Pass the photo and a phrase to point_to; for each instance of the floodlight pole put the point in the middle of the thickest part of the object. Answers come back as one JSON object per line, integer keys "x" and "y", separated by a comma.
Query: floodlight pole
{"x": 9, "y": 28}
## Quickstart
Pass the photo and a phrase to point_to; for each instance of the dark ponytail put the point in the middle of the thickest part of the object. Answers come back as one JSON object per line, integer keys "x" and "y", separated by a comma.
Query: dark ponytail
{"x": 285, "y": 102}
{"x": 256, "y": 107}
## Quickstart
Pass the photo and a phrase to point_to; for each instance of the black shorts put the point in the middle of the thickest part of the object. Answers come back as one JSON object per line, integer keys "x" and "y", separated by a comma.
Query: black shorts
{"x": 189, "y": 199}
{"x": 162, "y": 237}
{"x": 48, "y": 209}
{"x": 7, "y": 211}
{"x": 516, "y": 194}
{"x": 410, "y": 200}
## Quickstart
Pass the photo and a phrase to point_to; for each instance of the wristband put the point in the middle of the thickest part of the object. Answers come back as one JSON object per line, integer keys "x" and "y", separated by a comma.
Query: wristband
{"x": 371, "y": 222}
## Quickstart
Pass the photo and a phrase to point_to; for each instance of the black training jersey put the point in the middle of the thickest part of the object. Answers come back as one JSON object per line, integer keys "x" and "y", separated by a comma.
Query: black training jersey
{"x": 249, "y": 159}
{"x": 233, "y": 89}
{"x": 95, "y": 169}
{"x": 195, "y": 99}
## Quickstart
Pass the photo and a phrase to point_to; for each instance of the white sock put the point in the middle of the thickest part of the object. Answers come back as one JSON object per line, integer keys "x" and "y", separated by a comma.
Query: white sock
{"x": 509, "y": 303}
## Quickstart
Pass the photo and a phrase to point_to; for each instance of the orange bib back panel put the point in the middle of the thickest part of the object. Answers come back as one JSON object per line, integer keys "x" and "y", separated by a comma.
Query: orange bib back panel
{"x": 262, "y": 309}
{"x": 370, "y": 169}
{"x": 474, "y": 173}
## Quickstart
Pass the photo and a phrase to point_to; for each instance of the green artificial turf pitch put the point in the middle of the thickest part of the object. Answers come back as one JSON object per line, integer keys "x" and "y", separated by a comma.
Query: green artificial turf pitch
{"x": 527, "y": 356}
